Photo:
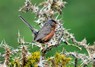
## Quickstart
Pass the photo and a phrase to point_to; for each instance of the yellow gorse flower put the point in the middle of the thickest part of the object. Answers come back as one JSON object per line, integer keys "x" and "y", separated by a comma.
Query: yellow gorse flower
{"x": 34, "y": 57}
{"x": 59, "y": 60}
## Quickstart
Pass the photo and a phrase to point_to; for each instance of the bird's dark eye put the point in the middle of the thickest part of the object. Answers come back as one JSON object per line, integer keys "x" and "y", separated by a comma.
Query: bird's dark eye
{"x": 53, "y": 21}
{"x": 52, "y": 24}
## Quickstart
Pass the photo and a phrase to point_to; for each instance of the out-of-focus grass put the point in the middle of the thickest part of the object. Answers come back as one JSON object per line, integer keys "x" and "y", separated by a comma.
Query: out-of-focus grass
{"x": 79, "y": 17}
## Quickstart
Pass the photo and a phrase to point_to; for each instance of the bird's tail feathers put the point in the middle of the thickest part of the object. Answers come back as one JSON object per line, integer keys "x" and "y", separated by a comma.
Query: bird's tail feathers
{"x": 31, "y": 28}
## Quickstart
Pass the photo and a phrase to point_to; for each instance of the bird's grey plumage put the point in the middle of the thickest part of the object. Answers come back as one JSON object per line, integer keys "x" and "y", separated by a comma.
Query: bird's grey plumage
{"x": 46, "y": 29}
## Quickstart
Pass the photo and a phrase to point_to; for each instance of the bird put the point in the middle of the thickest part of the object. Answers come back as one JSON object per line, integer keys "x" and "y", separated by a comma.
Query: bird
{"x": 45, "y": 34}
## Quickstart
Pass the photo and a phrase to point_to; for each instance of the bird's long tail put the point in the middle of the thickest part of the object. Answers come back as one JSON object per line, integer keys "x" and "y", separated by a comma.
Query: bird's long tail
{"x": 31, "y": 28}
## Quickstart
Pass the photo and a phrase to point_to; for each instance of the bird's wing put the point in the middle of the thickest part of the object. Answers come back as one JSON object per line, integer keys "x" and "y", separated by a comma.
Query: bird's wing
{"x": 45, "y": 30}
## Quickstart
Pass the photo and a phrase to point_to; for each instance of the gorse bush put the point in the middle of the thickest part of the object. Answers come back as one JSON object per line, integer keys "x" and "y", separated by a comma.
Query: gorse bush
{"x": 22, "y": 57}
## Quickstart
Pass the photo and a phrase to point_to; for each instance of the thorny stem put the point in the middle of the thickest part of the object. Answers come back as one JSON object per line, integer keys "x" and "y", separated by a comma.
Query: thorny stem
{"x": 7, "y": 55}
{"x": 43, "y": 55}
{"x": 53, "y": 63}
{"x": 76, "y": 62}
{"x": 7, "y": 52}
{"x": 24, "y": 53}
{"x": 85, "y": 65}
{"x": 93, "y": 63}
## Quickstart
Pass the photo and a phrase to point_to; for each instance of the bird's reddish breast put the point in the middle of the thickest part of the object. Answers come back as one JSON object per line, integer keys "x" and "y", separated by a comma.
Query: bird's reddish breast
{"x": 50, "y": 35}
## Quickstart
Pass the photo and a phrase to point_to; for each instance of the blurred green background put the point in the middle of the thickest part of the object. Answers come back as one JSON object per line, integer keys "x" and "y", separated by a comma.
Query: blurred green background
{"x": 78, "y": 16}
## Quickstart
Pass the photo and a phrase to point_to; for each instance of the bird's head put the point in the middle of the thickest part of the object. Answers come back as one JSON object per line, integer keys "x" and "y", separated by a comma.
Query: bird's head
{"x": 52, "y": 22}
